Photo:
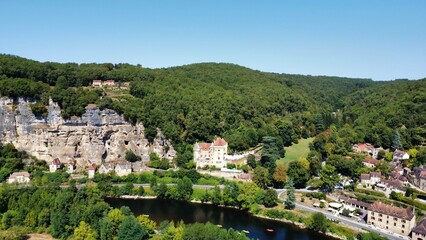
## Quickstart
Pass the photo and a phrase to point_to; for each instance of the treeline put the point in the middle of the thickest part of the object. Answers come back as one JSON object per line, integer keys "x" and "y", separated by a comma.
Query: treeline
{"x": 375, "y": 113}
{"x": 73, "y": 213}
{"x": 200, "y": 101}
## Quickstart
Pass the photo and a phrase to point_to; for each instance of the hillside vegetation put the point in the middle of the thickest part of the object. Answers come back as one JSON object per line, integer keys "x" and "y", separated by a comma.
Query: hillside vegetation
{"x": 200, "y": 101}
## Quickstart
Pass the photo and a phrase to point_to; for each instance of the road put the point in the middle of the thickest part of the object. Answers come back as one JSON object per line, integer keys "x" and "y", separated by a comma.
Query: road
{"x": 353, "y": 223}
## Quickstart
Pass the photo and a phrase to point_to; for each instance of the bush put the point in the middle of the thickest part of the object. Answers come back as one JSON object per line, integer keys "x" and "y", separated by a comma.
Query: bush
{"x": 317, "y": 195}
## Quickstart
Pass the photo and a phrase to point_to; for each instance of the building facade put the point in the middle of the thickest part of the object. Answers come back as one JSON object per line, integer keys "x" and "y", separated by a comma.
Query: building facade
{"x": 55, "y": 165}
{"x": 19, "y": 177}
{"x": 391, "y": 218}
{"x": 211, "y": 154}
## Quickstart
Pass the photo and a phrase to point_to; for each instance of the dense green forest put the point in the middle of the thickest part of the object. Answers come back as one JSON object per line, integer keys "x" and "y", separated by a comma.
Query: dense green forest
{"x": 200, "y": 101}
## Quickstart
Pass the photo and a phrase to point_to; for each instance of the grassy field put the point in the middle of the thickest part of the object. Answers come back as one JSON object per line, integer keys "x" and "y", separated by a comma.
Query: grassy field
{"x": 296, "y": 151}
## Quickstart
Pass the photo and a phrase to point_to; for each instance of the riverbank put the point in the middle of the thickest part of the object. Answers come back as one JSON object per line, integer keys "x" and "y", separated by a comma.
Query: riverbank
{"x": 298, "y": 225}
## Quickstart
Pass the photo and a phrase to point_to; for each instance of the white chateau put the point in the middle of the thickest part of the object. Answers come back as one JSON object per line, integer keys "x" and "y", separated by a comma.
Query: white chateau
{"x": 211, "y": 154}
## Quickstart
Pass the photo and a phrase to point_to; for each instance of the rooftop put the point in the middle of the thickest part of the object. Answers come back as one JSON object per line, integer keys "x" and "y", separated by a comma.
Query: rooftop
{"x": 19, "y": 174}
{"x": 403, "y": 213}
{"x": 420, "y": 228}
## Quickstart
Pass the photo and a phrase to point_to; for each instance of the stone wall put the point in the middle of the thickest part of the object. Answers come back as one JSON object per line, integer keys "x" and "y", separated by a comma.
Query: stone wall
{"x": 98, "y": 135}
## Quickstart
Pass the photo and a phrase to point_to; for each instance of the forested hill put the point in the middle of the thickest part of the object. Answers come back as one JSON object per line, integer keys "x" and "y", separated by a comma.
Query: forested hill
{"x": 378, "y": 111}
{"x": 200, "y": 101}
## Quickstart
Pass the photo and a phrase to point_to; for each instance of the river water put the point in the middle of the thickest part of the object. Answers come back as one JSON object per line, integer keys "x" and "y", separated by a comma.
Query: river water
{"x": 160, "y": 210}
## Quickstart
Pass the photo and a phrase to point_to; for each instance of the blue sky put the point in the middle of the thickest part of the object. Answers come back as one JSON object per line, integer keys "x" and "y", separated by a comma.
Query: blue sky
{"x": 375, "y": 39}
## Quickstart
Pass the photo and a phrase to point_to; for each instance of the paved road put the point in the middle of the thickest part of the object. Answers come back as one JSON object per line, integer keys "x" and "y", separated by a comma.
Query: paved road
{"x": 353, "y": 223}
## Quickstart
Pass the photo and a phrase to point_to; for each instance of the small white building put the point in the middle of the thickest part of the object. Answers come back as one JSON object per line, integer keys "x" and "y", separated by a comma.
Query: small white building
{"x": 97, "y": 83}
{"x": 91, "y": 171}
{"x": 19, "y": 177}
{"x": 71, "y": 166}
{"x": 123, "y": 168}
{"x": 55, "y": 165}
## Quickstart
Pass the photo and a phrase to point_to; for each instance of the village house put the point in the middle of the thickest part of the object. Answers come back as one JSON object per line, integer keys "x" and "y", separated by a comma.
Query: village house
{"x": 54, "y": 165}
{"x": 388, "y": 186}
{"x": 354, "y": 203}
{"x": 71, "y": 166}
{"x": 400, "y": 155}
{"x": 137, "y": 166}
{"x": 366, "y": 148}
{"x": 211, "y": 154}
{"x": 370, "y": 179}
{"x": 97, "y": 83}
{"x": 91, "y": 171}
{"x": 123, "y": 168}
{"x": 391, "y": 218}
{"x": 19, "y": 177}
{"x": 417, "y": 177}
{"x": 419, "y": 231}
{"x": 108, "y": 83}
{"x": 106, "y": 168}
{"x": 100, "y": 83}
{"x": 370, "y": 162}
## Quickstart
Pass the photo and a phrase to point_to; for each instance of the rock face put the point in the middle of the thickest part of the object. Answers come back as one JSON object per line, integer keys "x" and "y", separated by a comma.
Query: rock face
{"x": 97, "y": 136}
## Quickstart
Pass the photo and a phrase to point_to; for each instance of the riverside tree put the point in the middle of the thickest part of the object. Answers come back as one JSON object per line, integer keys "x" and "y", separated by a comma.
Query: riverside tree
{"x": 290, "y": 201}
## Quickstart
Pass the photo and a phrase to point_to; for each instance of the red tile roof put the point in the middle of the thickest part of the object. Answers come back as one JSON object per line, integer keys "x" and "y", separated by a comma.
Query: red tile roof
{"x": 404, "y": 213}
{"x": 19, "y": 174}
{"x": 365, "y": 176}
{"x": 220, "y": 142}
{"x": 56, "y": 162}
{"x": 204, "y": 146}
{"x": 371, "y": 161}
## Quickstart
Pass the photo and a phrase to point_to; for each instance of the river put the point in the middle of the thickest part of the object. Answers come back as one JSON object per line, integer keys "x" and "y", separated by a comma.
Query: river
{"x": 160, "y": 210}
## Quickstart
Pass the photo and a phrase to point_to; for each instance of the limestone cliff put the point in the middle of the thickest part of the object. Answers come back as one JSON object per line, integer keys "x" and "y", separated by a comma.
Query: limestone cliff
{"x": 98, "y": 136}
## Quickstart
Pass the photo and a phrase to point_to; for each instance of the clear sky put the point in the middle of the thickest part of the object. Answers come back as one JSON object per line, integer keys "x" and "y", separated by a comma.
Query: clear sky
{"x": 378, "y": 39}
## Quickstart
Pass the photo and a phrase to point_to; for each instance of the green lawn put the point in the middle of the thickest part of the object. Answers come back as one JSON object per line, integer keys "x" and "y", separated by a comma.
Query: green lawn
{"x": 296, "y": 151}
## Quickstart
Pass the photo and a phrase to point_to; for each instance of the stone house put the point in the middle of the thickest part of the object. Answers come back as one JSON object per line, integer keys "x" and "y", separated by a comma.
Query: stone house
{"x": 137, "y": 166}
{"x": 97, "y": 83}
{"x": 19, "y": 177}
{"x": 370, "y": 179}
{"x": 211, "y": 154}
{"x": 106, "y": 168}
{"x": 370, "y": 162}
{"x": 123, "y": 168}
{"x": 418, "y": 177}
{"x": 354, "y": 203}
{"x": 391, "y": 218}
{"x": 54, "y": 165}
{"x": 419, "y": 231}
{"x": 108, "y": 83}
{"x": 400, "y": 155}
{"x": 366, "y": 148}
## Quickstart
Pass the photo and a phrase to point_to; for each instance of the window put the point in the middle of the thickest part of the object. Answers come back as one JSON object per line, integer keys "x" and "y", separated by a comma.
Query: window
{"x": 380, "y": 215}
{"x": 403, "y": 221}
{"x": 402, "y": 231}
{"x": 395, "y": 219}
{"x": 394, "y": 224}
{"x": 380, "y": 219}
{"x": 403, "y": 226}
